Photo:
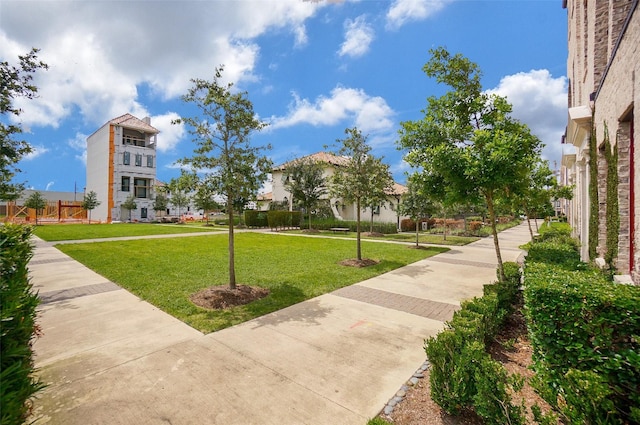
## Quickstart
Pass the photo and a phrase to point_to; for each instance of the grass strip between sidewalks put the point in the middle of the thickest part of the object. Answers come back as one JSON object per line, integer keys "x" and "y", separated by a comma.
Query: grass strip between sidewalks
{"x": 165, "y": 272}
{"x": 70, "y": 232}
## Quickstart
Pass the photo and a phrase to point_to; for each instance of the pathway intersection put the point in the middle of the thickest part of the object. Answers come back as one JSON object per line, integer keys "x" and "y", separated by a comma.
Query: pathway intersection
{"x": 110, "y": 358}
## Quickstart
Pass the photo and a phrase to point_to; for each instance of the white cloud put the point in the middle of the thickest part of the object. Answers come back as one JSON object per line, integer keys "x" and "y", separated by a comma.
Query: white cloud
{"x": 37, "y": 150}
{"x": 99, "y": 53}
{"x": 79, "y": 143}
{"x": 404, "y": 11}
{"x": 358, "y": 37}
{"x": 540, "y": 101}
{"x": 49, "y": 185}
{"x": 170, "y": 134}
{"x": 369, "y": 113}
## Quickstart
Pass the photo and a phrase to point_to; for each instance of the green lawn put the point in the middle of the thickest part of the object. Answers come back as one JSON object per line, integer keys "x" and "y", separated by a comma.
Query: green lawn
{"x": 425, "y": 238}
{"x": 166, "y": 271}
{"x": 70, "y": 232}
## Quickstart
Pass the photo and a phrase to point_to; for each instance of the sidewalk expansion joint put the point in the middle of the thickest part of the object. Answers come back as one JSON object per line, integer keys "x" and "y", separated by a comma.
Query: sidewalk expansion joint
{"x": 420, "y": 307}
{"x": 81, "y": 291}
{"x": 51, "y": 260}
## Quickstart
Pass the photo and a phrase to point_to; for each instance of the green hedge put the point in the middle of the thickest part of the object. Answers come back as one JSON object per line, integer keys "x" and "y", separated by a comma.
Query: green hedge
{"x": 17, "y": 324}
{"x": 585, "y": 333}
{"x": 463, "y": 375}
{"x": 278, "y": 220}
{"x": 328, "y": 223}
{"x": 256, "y": 218}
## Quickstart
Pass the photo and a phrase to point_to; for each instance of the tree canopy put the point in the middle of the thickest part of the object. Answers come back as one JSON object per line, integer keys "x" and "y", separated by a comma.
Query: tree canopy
{"x": 468, "y": 139}
{"x": 37, "y": 202}
{"x": 418, "y": 202}
{"x": 90, "y": 202}
{"x": 16, "y": 81}
{"x": 234, "y": 168}
{"x": 305, "y": 180}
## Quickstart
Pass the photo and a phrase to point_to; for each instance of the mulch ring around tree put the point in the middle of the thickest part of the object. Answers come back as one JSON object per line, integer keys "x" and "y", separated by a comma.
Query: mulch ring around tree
{"x": 353, "y": 262}
{"x": 222, "y": 297}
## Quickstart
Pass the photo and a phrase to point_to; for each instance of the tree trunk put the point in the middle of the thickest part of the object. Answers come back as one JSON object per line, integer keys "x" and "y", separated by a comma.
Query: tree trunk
{"x": 494, "y": 231}
{"x": 371, "y": 225}
{"x": 444, "y": 232}
{"x": 358, "y": 249}
{"x": 529, "y": 222}
{"x": 417, "y": 232}
{"x": 232, "y": 266}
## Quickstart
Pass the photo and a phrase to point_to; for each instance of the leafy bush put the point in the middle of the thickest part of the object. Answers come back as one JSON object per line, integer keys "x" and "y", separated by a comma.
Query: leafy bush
{"x": 254, "y": 218}
{"x": 463, "y": 374}
{"x": 17, "y": 324}
{"x": 284, "y": 219}
{"x": 585, "y": 332}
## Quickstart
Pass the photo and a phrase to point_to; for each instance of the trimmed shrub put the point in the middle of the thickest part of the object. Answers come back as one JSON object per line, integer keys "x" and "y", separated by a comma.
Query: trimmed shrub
{"x": 463, "y": 375}
{"x": 585, "y": 333}
{"x": 278, "y": 220}
{"x": 254, "y": 218}
{"x": 17, "y": 324}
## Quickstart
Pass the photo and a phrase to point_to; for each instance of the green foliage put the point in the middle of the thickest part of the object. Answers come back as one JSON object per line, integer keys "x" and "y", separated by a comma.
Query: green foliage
{"x": 17, "y": 81}
{"x": 378, "y": 421}
{"x": 417, "y": 203}
{"x": 17, "y": 324}
{"x": 462, "y": 372}
{"x": 305, "y": 180}
{"x": 160, "y": 202}
{"x": 277, "y": 220}
{"x": 594, "y": 203}
{"x": 254, "y": 218}
{"x": 328, "y": 223}
{"x": 468, "y": 141}
{"x": 361, "y": 179}
{"x": 90, "y": 202}
{"x": 234, "y": 168}
{"x": 613, "y": 213}
{"x": 37, "y": 202}
{"x": 180, "y": 189}
{"x": 585, "y": 332}
{"x": 130, "y": 204}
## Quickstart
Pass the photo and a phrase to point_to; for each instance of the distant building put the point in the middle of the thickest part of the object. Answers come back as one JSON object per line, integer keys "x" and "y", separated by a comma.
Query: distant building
{"x": 121, "y": 162}
{"x": 604, "y": 87}
{"x": 385, "y": 213}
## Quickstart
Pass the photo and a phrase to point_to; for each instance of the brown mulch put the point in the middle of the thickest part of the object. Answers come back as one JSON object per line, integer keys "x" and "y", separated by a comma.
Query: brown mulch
{"x": 511, "y": 347}
{"x": 353, "y": 262}
{"x": 221, "y": 297}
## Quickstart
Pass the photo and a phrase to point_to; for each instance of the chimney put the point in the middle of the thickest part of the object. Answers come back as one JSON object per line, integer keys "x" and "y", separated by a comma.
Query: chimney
{"x": 147, "y": 120}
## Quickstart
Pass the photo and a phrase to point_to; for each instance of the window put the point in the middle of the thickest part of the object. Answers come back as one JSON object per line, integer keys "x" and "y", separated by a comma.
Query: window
{"x": 126, "y": 182}
{"x": 138, "y": 160}
{"x": 143, "y": 213}
{"x": 140, "y": 187}
{"x": 126, "y": 158}
{"x": 149, "y": 161}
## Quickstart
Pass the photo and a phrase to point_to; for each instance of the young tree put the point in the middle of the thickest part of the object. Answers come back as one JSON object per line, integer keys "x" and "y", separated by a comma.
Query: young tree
{"x": 234, "y": 167}
{"x": 90, "y": 202}
{"x": 305, "y": 180}
{"x": 37, "y": 202}
{"x": 352, "y": 181}
{"x": 468, "y": 137}
{"x": 180, "y": 189}
{"x": 16, "y": 82}
{"x": 130, "y": 204}
{"x": 417, "y": 202}
{"x": 381, "y": 184}
{"x": 160, "y": 202}
{"x": 204, "y": 198}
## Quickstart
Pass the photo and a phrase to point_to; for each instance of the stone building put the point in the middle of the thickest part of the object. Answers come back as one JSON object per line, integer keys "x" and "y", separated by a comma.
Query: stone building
{"x": 603, "y": 68}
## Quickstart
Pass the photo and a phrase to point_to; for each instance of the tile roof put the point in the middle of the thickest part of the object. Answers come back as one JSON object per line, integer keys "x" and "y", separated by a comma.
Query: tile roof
{"x": 129, "y": 121}
{"x": 325, "y": 157}
{"x": 398, "y": 189}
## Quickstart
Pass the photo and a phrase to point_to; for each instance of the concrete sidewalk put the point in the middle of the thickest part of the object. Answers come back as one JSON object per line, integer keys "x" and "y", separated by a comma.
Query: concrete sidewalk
{"x": 111, "y": 358}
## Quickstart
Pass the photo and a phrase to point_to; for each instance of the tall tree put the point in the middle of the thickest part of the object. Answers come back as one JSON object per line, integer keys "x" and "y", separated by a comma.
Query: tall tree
{"x": 160, "y": 202}
{"x": 380, "y": 186}
{"x": 468, "y": 137}
{"x": 130, "y": 205}
{"x": 235, "y": 168}
{"x": 352, "y": 181}
{"x": 305, "y": 180}
{"x": 15, "y": 81}
{"x": 418, "y": 202}
{"x": 37, "y": 202}
{"x": 90, "y": 202}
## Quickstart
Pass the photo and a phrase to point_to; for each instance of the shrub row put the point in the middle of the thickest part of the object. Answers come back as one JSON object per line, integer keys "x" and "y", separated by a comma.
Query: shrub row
{"x": 277, "y": 220}
{"x": 254, "y": 218}
{"x": 463, "y": 375}
{"x": 328, "y": 223}
{"x": 17, "y": 324}
{"x": 585, "y": 333}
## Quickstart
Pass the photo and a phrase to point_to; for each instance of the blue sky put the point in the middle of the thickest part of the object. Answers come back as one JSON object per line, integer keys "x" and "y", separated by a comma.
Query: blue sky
{"x": 311, "y": 68}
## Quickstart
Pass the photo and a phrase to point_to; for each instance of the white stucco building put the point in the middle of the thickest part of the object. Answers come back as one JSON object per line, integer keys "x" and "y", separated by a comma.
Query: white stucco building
{"x": 121, "y": 162}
